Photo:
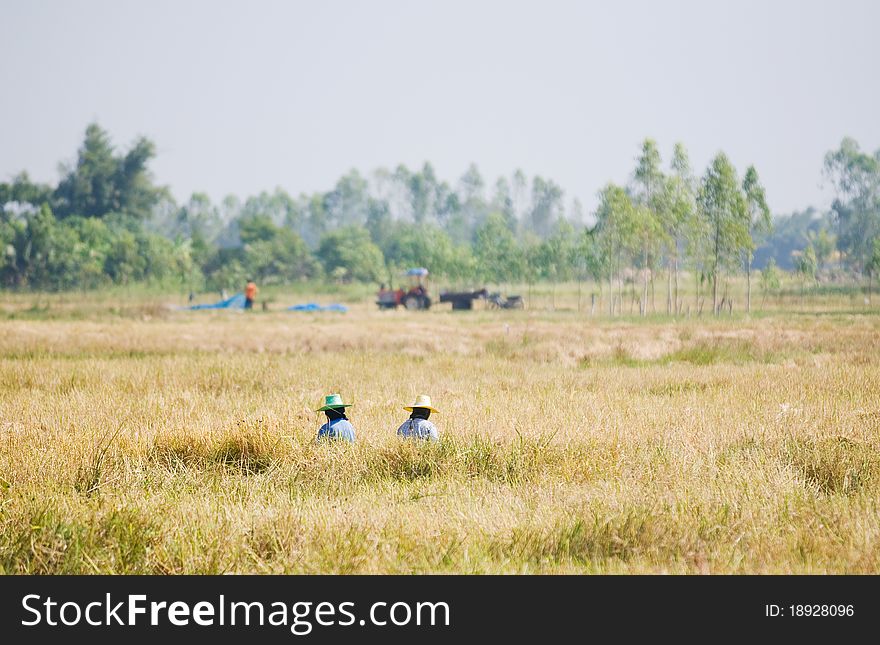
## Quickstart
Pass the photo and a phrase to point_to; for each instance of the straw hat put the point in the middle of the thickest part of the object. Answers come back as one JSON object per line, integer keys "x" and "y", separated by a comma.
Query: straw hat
{"x": 422, "y": 401}
{"x": 331, "y": 402}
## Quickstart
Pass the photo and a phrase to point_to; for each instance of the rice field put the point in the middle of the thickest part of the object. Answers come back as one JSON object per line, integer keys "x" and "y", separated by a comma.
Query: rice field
{"x": 138, "y": 439}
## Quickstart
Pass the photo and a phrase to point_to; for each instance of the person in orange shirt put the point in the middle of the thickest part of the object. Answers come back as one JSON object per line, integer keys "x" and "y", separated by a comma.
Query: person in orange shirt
{"x": 250, "y": 293}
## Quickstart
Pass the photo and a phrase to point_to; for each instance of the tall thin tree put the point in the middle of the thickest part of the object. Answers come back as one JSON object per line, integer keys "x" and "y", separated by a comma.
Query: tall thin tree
{"x": 724, "y": 206}
{"x": 759, "y": 222}
{"x": 649, "y": 178}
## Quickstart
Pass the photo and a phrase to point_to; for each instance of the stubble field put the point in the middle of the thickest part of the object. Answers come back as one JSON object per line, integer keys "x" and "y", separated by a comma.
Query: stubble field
{"x": 169, "y": 442}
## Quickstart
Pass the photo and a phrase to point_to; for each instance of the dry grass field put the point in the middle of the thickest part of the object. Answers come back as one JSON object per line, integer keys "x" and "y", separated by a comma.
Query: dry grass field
{"x": 152, "y": 441}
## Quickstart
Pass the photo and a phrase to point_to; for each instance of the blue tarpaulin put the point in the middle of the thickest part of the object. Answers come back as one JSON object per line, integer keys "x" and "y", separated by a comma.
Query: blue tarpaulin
{"x": 314, "y": 306}
{"x": 235, "y": 302}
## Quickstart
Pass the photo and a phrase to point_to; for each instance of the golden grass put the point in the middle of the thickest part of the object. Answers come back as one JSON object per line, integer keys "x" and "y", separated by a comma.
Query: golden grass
{"x": 184, "y": 443}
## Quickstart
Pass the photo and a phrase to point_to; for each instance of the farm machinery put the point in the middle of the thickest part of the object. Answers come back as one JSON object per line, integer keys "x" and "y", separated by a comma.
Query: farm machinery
{"x": 416, "y": 296}
{"x": 463, "y": 299}
{"x": 497, "y": 301}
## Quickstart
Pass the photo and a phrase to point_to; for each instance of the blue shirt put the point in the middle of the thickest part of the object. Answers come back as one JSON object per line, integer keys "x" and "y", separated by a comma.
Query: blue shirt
{"x": 337, "y": 429}
{"x": 418, "y": 429}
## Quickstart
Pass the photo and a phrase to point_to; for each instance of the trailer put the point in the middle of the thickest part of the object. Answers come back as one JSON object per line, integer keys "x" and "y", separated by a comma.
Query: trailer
{"x": 463, "y": 300}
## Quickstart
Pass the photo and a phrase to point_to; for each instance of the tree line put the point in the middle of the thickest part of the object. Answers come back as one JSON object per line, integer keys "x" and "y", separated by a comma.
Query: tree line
{"x": 106, "y": 222}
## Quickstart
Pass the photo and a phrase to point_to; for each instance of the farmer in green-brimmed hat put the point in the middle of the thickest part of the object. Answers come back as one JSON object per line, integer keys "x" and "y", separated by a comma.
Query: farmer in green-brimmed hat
{"x": 338, "y": 426}
{"x": 418, "y": 426}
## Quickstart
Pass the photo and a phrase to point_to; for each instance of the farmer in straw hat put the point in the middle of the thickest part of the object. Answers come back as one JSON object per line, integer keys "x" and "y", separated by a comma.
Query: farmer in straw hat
{"x": 338, "y": 426}
{"x": 418, "y": 426}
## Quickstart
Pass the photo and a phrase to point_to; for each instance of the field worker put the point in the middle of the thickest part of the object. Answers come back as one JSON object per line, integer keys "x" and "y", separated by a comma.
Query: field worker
{"x": 418, "y": 426}
{"x": 250, "y": 294}
{"x": 338, "y": 426}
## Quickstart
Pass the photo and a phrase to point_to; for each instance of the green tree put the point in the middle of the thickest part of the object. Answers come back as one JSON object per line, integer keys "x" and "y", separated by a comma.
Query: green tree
{"x": 615, "y": 233}
{"x": 136, "y": 195}
{"x": 790, "y": 233}
{"x": 101, "y": 182}
{"x": 498, "y": 255}
{"x": 95, "y": 242}
{"x": 806, "y": 266}
{"x": 351, "y": 250}
{"x": 87, "y": 189}
{"x": 198, "y": 218}
{"x": 503, "y": 204}
{"x": 591, "y": 262}
{"x": 562, "y": 254}
{"x": 856, "y": 177}
{"x": 873, "y": 264}
{"x": 824, "y": 243}
{"x": 646, "y": 237}
{"x": 379, "y": 222}
{"x": 35, "y": 246}
{"x": 771, "y": 281}
{"x": 406, "y": 245}
{"x": 679, "y": 218}
{"x": 124, "y": 263}
{"x": 546, "y": 207}
{"x": 648, "y": 174}
{"x": 274, "y": 254}
{"x": 759, "y": 222}
{"x": 10, "y": 231}
{"x": 422, "y": 190}
{"x": 317, "y": 221}
{"x": 726, "y": 212}
{"x": 348, "y": 203}
{"x": 23, "y": 191}
{"x": 652, "y": 212}
{"x": 468, "y": 211}
{"x": 461, "y": 266}
{"x": 592, "y": 259}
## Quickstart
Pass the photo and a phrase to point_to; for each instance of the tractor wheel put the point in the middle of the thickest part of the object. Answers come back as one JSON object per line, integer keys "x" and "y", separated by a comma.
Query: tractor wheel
{"x": 412, "y": 302}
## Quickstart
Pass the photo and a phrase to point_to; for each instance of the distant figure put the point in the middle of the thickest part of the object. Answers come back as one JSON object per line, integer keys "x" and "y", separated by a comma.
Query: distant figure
{"x": 250, "y": 294}
{"x": 418, "y": 426}
{"x": 385, "y": 298}
{"x": 338, "y": 426}
{"x": 192, "y": 297}
{"x": 398, "y": 295}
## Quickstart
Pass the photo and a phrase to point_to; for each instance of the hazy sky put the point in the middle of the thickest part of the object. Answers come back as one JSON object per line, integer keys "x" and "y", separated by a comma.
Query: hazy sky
{"x": 245, "y": 96}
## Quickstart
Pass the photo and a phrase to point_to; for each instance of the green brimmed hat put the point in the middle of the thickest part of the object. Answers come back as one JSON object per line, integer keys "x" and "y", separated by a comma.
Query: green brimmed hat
{"x": 331, "y": 402}
{"x": 422, "y": 401}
